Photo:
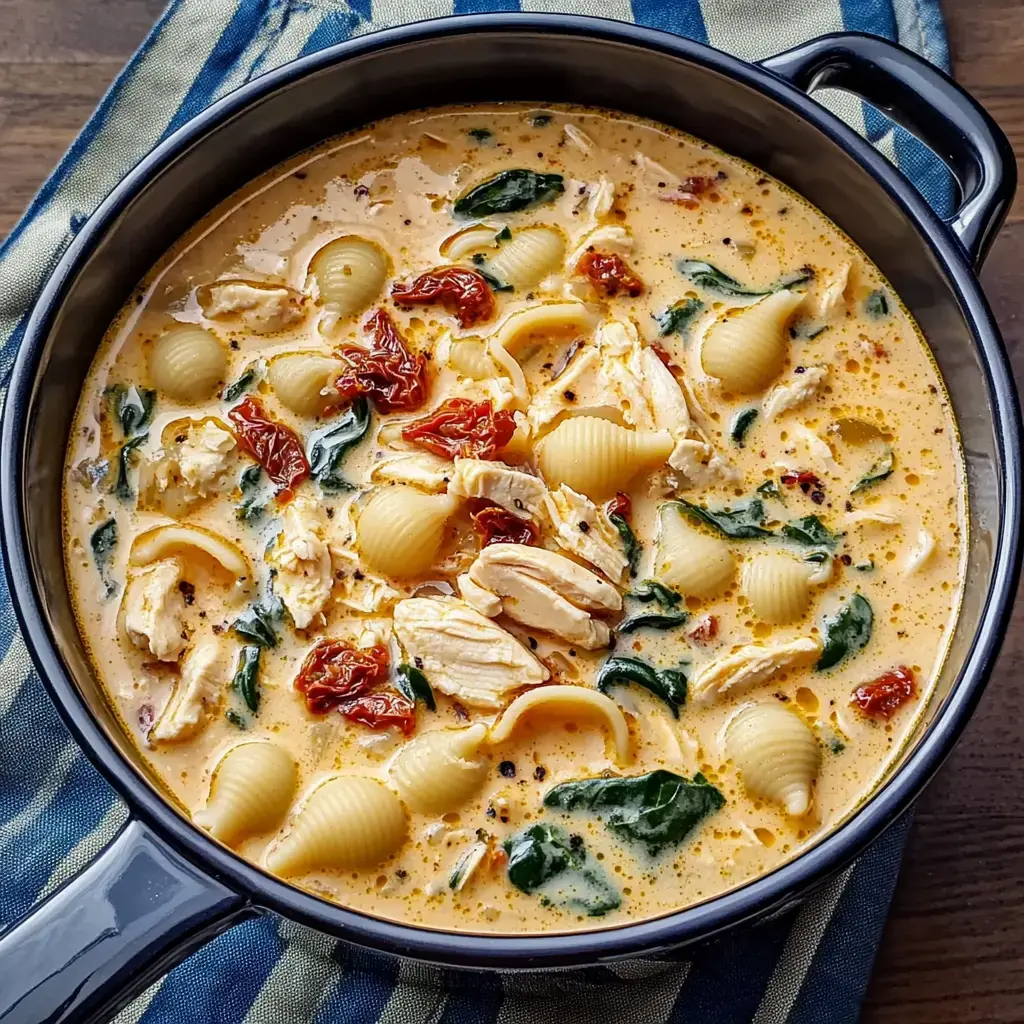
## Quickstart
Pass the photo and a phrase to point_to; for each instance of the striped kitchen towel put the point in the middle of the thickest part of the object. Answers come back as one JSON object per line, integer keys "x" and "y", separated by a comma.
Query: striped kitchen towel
{"x": 56, "y": 812}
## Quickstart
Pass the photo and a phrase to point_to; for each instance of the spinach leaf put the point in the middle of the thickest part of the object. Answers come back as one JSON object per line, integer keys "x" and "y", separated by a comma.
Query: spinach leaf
{"x": 248, "y": 483}
{"x": 237, "y": 388}
{"x": 741, "y": 424}
{"x": 504, "y": 235}
{"x": 631, "y": 545}
{"x": 668, "y": 685}
{"x": 540, "y": 120}
{"x": 714, "y": 280}
{"x": 134, "y": 408}
{"x": 413, "y": 685}
{"x": 847, "y": 632}
{"x": 666, "y": 617}
{"x": 496, "y": 284}
{"x": 741, "y": 523}
{"x": 257, "y": 622}
{"x": 880, "y": 471}
{"x": 676, "y": 319}
{"x": 652, "y": 620}
{"x": 811, "y": 532}
{"x": 509, "y": 191}
{"x": 329, "y": 446}
{"x": 546, "y": 859}
{"x": 876, "y": 305}
{"x": 867, "y": 566}
{"x": 653, "y": 590}
{"x": 801, "y": 276}
{"x": 123, "y": 488}
{"x": 246, "y": 680}
{"x": 770, "y": 489}
{"x": 656, "y": 810}
{"x": 103, "y": 541}
{"x": 481, "y": 135}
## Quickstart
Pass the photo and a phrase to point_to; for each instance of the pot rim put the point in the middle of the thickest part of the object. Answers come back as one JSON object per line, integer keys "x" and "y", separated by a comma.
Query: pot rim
{"x": 662, "y": 934}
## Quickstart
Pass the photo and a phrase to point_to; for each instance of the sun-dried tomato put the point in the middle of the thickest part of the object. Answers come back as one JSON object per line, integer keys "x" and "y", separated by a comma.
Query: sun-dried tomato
{"x": 609, "y": 274}
{"x": 884, "y": 696}
{"x": 335, "y": 673}
{"x": 381, "y": 710}
{"x": 497, "y": 525}
{"x": 460, "y": 428}
{"x": 387, "y": 373}
{"x": 705, "y": 630}
{"x": 274, "y": 446}
{"x": 461, "y": 291}
{"x": 688, "y": 192}
{"x": 620, "y": 505}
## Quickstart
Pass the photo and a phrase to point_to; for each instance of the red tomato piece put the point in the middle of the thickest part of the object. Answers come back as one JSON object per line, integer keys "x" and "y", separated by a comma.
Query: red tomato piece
{"x": 335, "y": 673}
{"x": 884, "y": 696}
{"x": 620, "y": 505}
{"x": 461, "y": 291}
{"x": 497, "y": 525}
{"x": 387, "y": 373}
{"x": 464, "y": 429}
{"x": 609, "y": 274}
{"x": 274, "y": 446}
{"x": 705, "y": 630}
{"x": 381, "y": 710}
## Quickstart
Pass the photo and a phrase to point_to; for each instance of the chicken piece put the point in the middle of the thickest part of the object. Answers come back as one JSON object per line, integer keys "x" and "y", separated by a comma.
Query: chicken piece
{"x": 463, "y": 653}
{"x": 577, "y": 388}
{"x": 303, "y": 561}
{"x": 818, "y": 453}
{"x": 664, "y": 395}
{"x": 743, "y": 669}
{"x": 428, "y": 472}
{"x": 154, "y": 610}
{"x": 262, "y": 309}
{"x": 203, "y": 457}
{"x": 162, "y": 487}
{"x": 805, "y": 386}
{"x": 585, "y": 530}
{"x": 622, "y": 372}
{"x": 546, "y": 591}
{"x": 827, "y": 294}
{"x": 923, "y": 549}
{"x": 482, "y": 600}
{"x": 196, "y": 694}
{"x": 611, "y": 238}
{"x": 364, "y": 592}
{"x": 701, "y": 464}
{"x": 513, "y": 489}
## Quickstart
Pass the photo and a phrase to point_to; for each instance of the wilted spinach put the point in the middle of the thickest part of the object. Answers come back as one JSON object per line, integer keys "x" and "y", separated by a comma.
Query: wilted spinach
{"x": 811, "y": 532}
{"x": 123, "y": 488}
{"x": 245, "y": 382}
{"x": 665, "y": 616}
{"x": 509, "y": 191}
{"x": 847, "y": 632}
{"x": 676, "y": 319}
{"x": 741, "y": 523}
{"x": 481, "y": 135}
{"x": 880, "y": 471}
{"x": 258, "y": 622}
{"x": 329, "y": 446}
{"x": 412, "y": 684}
{"x": 103, "y": 541}
{"x": 656, "y": 810}
{"x": 706, "y": 275}
{"x": 134, "y": 408}
{"x": 876, "y": 305}
{"x": 631, "y": 545}
{"x": 246, "y": 681}
{"x": 741, "y": 424}
{"x": 668, "y": 685}
{"x": 770, "y": 489}
{"x": 248, "y": 483}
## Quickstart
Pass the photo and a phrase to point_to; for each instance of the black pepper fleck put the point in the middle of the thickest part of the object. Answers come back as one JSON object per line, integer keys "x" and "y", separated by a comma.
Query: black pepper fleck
{"x": 234, "y": 344}
{"x": 846, "y": 560}
{"x": 188, "y": 591}
{"x": 330, "y": 512}
{"x": 800, "y": 369}
{"x": 584, "y": 526}
{"x": 357, "y": 575}
{"x": 507, "y": 769}
{"x": 491, "y": 812}
{"x": 533, "y": 643}
{"x": 570, "y": 396}
{"x": 418, "y": 661}
{"x": 540, "y": 772}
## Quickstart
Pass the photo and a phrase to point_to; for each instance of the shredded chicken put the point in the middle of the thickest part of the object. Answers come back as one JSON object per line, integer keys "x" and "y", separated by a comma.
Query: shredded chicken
{"x": 494, "y": 481}
{"x": 546, "y": 591}
{"x": 197, "y": 692}
{"x": 464, "y": 653}
{"x": 303, "y": 562}
{"x": 154, "y": 610}
{"x": 419, "y": 469}
{"x": 355, "y": 587}
{"x": 585, "y": 530}
{"x": 785, "y": 397}
{"x": 262, "y": 309}
{"x": 920, "y": 553}
{"x": 701, "y": 464}
{"x": 743, "y": 669}
{"x": 203, "y": 457}
{"x": 826, "y": 296}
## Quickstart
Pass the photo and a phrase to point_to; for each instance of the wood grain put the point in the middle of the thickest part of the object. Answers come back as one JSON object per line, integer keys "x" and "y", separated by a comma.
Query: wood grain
{"x": 954, "y": 945}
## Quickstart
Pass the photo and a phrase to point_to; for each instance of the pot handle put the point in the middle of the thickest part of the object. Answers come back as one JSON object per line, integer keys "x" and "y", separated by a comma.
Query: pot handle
{"x": 135, "y": 912}
{"x": 931, "y": 106}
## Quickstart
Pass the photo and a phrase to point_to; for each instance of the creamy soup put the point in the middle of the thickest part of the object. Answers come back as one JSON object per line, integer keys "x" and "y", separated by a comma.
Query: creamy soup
{"x": 513, "y": 520}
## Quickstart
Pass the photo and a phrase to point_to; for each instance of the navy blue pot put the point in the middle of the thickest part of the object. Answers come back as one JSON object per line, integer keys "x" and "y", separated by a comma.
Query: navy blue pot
{"x": 163, "y": 887}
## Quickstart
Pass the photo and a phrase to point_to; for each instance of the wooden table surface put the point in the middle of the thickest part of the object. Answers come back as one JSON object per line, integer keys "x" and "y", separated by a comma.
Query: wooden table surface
{"x": 953, "y": 951}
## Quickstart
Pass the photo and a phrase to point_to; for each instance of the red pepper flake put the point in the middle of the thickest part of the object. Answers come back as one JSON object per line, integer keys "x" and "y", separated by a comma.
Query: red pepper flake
{"x": 387, "y": 372}
{"x": 705, "y": 630}
{"x": 274, "y": 446}
{"x": 807, "y": 482}
{"x": 620, "y": 505}
{"x": 688, "y": 192}
{"x": 146, "y": 717}
{"x": 460, "y": 428}
{"x": 381, "y": 710}
{"x": 461, "y": 291}
{"x": 663, "y": 355}
{"x": 609, "y": 274}
{"x": 335, "y": 673}
{"x": 883, "y": 697}
{"x": 497, "y": 525}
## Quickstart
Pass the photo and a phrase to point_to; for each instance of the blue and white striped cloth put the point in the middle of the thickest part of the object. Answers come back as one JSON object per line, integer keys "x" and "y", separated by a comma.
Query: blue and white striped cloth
{"x": 56, "y": 813}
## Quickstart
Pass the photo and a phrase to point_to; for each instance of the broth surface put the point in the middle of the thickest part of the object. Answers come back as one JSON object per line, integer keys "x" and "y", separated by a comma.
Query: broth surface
{"x": 863, "y": 439}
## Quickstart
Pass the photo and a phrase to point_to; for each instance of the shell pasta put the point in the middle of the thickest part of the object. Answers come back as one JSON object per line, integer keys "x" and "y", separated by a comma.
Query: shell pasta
{"x": 496, "y": 486}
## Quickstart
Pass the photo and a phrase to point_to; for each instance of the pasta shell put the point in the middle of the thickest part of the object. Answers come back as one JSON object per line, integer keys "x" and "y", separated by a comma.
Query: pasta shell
{"x": 543, "y": 322}
{"x": 776, "y": 754}
{"x": 252, "y": 789}
{"x": 350, "y": 273}
{"x": 469, "y": 356}
{"x": 597, "y": 457}
{"x": 168, "y": 540}
{"x": 747, "y": 350}
{"x": 777, "y": 586}
{"x": 440, "y": 770}
{"x": 298, "y": 380}
{"x": 348, "y": 822}
{"x": 400, "y": 530}
{"x": 187, "y": 363}
{"x": 690, "y": 560}
{"x": 467, "y": 241}
{"x": 572, "y": 703}
{"x": 529, "y": 257}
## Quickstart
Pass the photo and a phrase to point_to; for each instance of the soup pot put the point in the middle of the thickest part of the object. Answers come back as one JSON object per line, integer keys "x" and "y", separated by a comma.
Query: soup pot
{"x": 163, "y": 887}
